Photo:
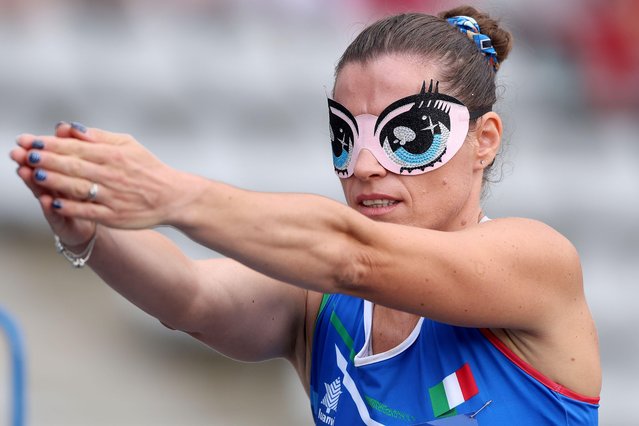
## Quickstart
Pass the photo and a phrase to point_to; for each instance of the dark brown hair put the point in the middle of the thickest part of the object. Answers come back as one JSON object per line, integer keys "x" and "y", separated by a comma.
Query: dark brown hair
{"x": 465, "y": 71}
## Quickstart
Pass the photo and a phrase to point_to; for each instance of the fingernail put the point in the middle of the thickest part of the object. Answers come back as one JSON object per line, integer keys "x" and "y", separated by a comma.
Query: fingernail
{"x": 18, "y": 139}
{"x": 40, "y": 175}
{"x": 34, "y": 157}
{"x": 37, "y": 144}
{"x": 56, "y": 204}
{"x": 79, "y": 127}
{"x": 59, "y": 123}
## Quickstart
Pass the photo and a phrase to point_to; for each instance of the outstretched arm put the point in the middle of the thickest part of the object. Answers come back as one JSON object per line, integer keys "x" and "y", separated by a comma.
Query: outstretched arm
{"x": 237, "y": 311}
{"x": 510, "y": 273}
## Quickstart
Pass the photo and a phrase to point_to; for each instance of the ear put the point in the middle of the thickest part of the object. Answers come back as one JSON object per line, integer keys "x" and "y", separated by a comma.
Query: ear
{"x": 488, "y": 132}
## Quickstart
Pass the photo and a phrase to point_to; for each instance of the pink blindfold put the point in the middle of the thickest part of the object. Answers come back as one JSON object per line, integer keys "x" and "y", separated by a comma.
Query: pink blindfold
{"x": 413, "y": 135}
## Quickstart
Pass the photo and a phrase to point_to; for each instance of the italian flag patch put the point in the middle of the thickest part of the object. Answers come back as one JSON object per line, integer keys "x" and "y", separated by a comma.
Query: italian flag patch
{"x": 455, "y": 389}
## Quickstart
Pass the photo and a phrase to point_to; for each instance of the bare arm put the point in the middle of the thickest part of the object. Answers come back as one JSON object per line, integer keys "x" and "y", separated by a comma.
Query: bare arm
{"x": 239, "y": 312}
{"x": 510, "y": 273}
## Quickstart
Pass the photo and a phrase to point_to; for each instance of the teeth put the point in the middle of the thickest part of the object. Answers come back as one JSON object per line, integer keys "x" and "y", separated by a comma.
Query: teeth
{"x": 378, "y": 203}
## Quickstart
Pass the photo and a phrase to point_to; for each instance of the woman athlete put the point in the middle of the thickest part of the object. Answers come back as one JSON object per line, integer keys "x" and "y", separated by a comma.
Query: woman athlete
{"x": 409, "y": 305}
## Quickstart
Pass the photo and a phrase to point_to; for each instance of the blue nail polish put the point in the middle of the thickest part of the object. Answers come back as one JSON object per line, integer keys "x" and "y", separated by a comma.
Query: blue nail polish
{"x": 34, "y": 157}
{"x": 37, "y": 144}
{"x": 59, "y": 123}
{"x": 79, "y": 127}
{"x": 56, "y": 204}
{"x": 40, "y": 175}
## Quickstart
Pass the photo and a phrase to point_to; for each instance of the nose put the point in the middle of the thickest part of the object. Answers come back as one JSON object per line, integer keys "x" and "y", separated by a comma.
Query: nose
{"x": 367, "y": 167}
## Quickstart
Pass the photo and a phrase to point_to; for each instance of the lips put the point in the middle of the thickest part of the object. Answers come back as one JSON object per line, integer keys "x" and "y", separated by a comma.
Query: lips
{"x": 376, "y": 204}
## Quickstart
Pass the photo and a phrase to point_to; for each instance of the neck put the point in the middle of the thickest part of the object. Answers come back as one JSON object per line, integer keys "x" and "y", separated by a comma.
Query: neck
{"x": 471, "y": 213}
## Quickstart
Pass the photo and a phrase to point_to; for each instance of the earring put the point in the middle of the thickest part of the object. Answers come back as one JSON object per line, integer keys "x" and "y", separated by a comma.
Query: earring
{"x": 481, "y": 162}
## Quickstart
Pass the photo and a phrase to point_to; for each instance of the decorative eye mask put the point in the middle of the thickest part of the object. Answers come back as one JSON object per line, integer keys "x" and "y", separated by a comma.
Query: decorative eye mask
{"x": 413, "y": 135}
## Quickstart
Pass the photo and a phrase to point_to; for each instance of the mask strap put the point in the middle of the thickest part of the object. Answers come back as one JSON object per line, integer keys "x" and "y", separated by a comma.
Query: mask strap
{"x": 479, "y": 112}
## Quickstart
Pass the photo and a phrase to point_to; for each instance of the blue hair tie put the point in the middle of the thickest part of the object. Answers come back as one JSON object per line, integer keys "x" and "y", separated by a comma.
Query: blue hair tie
{"x": 469, "y": 26}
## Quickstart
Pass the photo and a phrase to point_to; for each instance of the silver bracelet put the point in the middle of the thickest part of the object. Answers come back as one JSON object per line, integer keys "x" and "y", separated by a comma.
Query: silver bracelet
{"x": 78, "y": 260}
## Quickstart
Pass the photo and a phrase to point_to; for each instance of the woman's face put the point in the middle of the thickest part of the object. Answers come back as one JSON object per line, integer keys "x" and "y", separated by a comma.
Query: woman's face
{"x": 446, "y": 198}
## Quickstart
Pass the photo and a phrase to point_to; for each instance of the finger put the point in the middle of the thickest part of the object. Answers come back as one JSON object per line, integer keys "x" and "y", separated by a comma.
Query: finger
{"x": 82, "y": 210}
{"x": 67, "y": 165}
{"x": 70, "y": 187}
{"x": 73, "y": 232}
{"x": 28, "y": 141}
{"x": 19, "y": 155}
{"x": 94, "y": 152}
{"x": 74, "y": 129}
{"x": 46, "y": 204}
{"x": 94, "y": 134}
{"x": 26, "y": 174}
{"x": 63, "y": 129}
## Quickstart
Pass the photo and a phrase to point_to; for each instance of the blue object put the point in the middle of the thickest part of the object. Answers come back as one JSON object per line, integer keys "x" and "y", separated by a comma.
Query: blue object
{"x": 18, "y": 368}
{"x": 34, "y": 157}
{"x": 37, "y": 144}
{"x": 79, "y": 127}
{"x": 351, "y": 386}
{"x": 470, "y": 27}
{"x": 40, "y": 175}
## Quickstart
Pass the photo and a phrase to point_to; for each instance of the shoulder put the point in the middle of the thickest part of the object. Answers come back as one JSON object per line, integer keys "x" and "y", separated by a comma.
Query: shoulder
{"x": 547, "y": 255}
{"x": 532, "y": 236}
{"x": 521, "y": 224}
{"x": 563, "y": 328}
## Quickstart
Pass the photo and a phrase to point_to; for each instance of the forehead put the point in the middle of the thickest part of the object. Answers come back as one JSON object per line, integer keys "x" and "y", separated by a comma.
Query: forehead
{"x": 369, "y": 87}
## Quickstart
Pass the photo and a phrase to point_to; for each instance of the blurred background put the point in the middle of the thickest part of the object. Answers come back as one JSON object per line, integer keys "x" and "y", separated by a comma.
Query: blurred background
{"x": 235, "y": 90}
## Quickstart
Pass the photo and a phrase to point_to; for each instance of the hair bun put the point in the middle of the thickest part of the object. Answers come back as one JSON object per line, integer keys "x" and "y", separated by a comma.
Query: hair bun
{"x": 502, "y": 39}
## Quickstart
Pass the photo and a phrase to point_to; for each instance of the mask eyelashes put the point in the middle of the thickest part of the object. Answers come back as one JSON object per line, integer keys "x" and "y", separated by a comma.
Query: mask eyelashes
{"x": 442, "y": 106}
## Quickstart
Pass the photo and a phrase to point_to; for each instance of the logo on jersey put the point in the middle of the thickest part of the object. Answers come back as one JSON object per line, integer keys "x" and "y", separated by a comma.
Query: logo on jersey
{"x": 330, "y": 401}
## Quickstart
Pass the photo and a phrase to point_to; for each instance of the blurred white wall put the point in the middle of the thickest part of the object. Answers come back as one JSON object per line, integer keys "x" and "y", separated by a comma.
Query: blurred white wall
{"x": 235, "y": 90}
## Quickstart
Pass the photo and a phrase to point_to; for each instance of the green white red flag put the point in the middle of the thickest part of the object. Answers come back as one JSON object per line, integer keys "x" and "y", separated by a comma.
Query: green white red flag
{"x": 455, "y": 389}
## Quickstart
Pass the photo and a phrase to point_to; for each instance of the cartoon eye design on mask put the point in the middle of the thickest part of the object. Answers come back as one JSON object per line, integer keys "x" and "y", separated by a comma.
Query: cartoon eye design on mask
{"x": 343, "y": 130}
{"x": 414, "y": 131}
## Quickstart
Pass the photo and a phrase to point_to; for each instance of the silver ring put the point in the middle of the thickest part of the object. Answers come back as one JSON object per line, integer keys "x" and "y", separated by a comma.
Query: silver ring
{"x": 93, "y": 192}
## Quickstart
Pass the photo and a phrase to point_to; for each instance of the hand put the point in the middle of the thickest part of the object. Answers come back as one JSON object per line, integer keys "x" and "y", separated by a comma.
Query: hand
{"x": 134, "y": 187}
{"x": 74, "y": 233}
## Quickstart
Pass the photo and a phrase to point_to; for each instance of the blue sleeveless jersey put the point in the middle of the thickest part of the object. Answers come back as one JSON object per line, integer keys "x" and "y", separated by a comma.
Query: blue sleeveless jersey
{"x": 440, "y": 375}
